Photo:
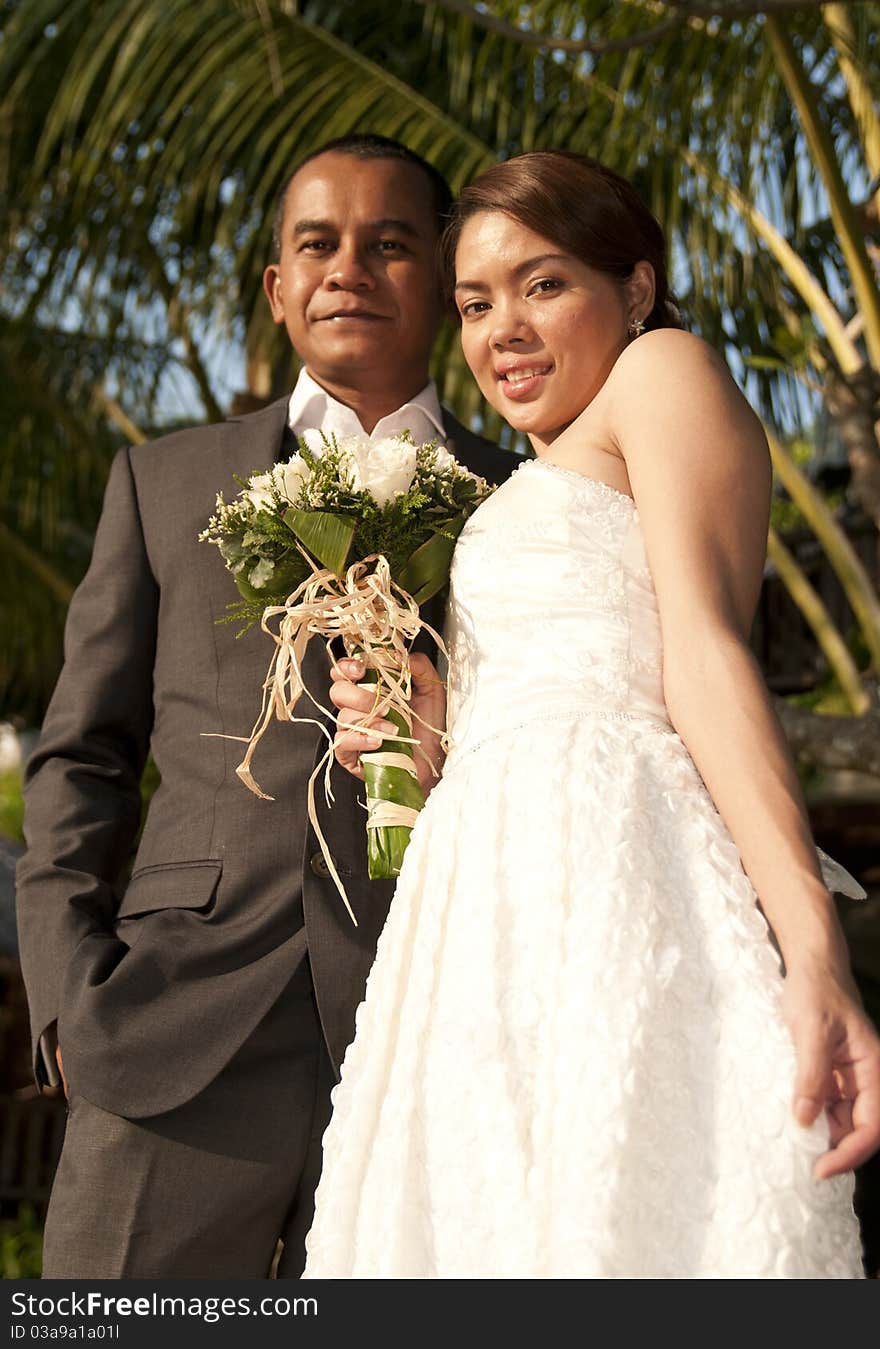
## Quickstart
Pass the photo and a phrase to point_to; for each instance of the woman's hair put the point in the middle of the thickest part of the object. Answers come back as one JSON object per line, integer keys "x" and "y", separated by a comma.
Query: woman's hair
{"x": 577, "y": 203}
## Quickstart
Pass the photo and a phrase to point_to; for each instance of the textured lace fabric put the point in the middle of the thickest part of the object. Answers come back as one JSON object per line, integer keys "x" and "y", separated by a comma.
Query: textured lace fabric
{"x": 571, "y": 1060}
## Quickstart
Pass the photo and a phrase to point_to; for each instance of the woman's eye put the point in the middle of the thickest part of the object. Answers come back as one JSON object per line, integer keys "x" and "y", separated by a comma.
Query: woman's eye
{"x": 473, "y": 307}
{"x": 544, "y": 285}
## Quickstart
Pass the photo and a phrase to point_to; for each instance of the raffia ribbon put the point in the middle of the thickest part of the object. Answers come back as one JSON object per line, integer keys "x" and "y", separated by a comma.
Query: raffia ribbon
{"x": 378, "y": 621}
{"x": 379, "y": 812}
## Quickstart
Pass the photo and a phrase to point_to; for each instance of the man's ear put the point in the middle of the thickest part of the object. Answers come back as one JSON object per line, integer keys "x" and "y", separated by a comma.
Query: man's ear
{"x": 641, "y": 289}
{"x": 272, "y": 287}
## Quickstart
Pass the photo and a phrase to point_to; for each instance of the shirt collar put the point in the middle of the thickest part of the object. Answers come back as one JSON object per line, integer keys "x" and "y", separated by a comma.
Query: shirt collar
{"x": 312, "y": 407}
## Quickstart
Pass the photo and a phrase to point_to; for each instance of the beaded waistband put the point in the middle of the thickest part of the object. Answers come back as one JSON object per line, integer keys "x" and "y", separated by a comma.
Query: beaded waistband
{"x": 646, "y": 720}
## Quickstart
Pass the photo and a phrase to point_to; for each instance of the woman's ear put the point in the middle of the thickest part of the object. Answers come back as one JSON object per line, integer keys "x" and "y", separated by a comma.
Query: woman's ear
{"x": 641, "y": 290}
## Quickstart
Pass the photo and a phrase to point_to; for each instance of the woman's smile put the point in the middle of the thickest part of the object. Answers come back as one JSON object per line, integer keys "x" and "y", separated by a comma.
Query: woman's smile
{"x": 520, "y": 381}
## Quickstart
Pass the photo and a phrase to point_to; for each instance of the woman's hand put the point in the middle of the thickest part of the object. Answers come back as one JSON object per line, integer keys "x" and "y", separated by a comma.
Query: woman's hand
{"x": 838, "y": 1064}
{"x": 356, "y": 703}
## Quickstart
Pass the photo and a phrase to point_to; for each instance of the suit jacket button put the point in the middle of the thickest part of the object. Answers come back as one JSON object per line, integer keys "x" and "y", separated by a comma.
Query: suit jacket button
{"x": 319, "y": 865}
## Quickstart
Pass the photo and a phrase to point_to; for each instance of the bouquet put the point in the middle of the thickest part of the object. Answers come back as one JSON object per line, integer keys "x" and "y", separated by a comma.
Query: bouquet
{"x": 346, "y": 540}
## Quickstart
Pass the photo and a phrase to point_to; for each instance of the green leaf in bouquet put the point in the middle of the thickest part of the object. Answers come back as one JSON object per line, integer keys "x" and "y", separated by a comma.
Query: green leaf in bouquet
{"x": 284, "y": 577}
{"x": 385, "y": 850}
{"x": 248, "y": 591}
{"x": 392, "y": 784}
{"x": 426, "y": 571}
{"x": 326, "y": 536}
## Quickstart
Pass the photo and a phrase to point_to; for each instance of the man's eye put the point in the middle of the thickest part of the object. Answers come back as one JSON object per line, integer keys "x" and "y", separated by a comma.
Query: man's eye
{"x": 315, "y": 245}
{"x": 391, "y": 246}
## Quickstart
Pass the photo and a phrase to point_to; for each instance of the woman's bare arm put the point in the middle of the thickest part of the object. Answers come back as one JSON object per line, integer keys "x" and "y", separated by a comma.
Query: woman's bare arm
{"x": 699, "y": 468}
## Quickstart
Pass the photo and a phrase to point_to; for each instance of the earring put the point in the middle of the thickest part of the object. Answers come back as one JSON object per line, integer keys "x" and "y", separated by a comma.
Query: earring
{"x": 636, "y": 327}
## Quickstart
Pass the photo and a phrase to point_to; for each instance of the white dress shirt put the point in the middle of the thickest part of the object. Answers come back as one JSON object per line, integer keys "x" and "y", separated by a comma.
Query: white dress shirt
{"x": 313, "y": 408}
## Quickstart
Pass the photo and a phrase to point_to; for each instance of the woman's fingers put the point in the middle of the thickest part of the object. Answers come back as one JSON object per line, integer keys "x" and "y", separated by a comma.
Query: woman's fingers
{"x": 358, "y": 698}
{"x": 814, "y": 1082}
{"x": 352, "y": 740}
{"x": 360, "y": 711}
{"x": 839, "y": 1073}
{"x": 354, "y": 730}
{"x": 840, "y": 1121}
{"x": 424, "y": 673}
{"x": 851, "y": 1151}
{"x": 348, "y": 669}
{"x": 357, "y": 708}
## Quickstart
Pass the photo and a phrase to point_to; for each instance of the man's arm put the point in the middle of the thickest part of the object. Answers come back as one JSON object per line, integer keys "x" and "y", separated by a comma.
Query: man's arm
{"x": 82, "y": 783}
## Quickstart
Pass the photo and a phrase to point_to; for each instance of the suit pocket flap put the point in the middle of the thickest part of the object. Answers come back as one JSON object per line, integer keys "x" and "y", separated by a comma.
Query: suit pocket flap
{"x": 175, "y": 885}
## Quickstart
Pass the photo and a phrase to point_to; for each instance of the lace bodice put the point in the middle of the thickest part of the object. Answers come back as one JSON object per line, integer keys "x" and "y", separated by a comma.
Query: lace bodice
{"x": 552, "y": 609}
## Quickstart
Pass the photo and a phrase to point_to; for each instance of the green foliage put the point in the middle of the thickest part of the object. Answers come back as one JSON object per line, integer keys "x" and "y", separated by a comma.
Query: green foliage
{"x": 21, "y": 1245}
{"x": 786, "y": 516}
{"x": 827, "y": 697}
{"x": 150, "y": 780}
{"x": 327, "y": 537}
{"x": 11, "y": 805}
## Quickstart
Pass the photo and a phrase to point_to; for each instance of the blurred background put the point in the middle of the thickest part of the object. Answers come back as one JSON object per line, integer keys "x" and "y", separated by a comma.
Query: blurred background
{"x": 142, "y": 147}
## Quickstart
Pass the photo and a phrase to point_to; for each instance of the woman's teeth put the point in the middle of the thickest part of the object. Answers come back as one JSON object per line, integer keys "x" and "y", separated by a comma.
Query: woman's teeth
{"x": 518, "y": 376}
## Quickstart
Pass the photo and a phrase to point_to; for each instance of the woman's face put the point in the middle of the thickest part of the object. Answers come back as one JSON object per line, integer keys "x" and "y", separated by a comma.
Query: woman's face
{"x": 539, "y": 328}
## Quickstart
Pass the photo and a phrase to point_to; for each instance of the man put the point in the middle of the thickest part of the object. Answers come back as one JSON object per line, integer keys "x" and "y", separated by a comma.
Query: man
{"x": 200, "y": 1014}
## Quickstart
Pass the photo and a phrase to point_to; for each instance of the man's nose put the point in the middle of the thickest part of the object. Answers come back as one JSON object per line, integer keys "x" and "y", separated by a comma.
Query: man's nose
{"x": 350, "y": 269}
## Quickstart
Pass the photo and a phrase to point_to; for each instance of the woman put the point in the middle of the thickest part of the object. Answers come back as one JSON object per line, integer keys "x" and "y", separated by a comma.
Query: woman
{"x": 577, "y": 1055}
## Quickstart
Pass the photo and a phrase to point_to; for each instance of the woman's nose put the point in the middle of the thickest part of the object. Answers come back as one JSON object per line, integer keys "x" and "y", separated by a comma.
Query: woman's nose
{"x": 510, "y": 327}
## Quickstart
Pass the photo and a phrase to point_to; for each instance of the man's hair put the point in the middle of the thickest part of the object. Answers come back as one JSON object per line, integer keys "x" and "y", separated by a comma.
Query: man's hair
{"x": 368, "y": 147}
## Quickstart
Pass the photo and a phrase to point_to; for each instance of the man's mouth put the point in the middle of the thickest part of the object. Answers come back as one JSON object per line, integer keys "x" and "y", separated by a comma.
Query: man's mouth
{"x": 342, "y": 314}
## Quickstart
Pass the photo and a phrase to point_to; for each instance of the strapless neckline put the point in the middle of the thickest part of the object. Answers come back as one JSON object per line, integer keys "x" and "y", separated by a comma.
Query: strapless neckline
{"x": 591, "y": 484}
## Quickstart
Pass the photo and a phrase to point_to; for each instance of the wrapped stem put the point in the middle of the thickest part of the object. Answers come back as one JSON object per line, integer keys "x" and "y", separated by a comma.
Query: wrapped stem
{"x": 394, "y": 796}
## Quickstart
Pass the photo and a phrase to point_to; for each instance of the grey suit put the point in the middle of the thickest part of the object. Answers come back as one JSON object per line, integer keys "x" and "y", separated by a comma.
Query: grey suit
{"x": 171, "y": 988}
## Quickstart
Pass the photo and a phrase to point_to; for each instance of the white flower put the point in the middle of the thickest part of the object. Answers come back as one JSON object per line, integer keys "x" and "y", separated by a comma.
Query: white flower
{"x": 313, "y": 441}
{"x": 285, "y": 478}
{"x": 385, "y": 468}
{"x": 259, "y": 491}
{"x": 444, "y": 462}
{"x": 446, "y": 465}
{"x": 289, "y": 477}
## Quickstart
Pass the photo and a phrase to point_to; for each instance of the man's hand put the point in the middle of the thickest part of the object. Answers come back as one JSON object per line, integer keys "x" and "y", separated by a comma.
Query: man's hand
{"x": 356, "y": 703}
{"x": 60, "y": 1062}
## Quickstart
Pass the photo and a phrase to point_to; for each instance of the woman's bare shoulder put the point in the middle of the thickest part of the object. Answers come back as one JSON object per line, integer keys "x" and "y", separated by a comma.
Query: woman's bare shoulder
{"x": 675, "y": 378}
{"x": 665, "y": 352}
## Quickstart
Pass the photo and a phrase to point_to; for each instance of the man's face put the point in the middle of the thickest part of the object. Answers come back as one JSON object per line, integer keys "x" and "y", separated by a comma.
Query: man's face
{"x": 356, "y": 285}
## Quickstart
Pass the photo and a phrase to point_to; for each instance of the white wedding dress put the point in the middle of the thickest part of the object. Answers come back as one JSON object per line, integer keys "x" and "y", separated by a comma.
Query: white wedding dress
{"x": 571, "y": 1060}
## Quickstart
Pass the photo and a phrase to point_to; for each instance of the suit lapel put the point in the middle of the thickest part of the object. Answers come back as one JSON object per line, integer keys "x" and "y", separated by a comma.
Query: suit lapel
{"x": 254, "y": 443}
